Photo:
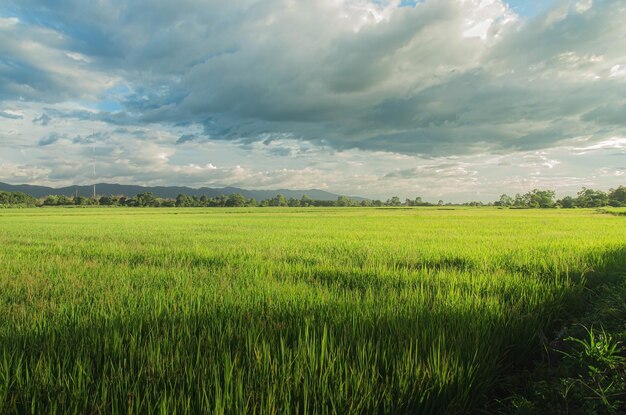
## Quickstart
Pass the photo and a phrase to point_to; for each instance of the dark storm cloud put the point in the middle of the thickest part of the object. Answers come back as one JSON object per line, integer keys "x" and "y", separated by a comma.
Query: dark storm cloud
{"x": 444, "y": 77}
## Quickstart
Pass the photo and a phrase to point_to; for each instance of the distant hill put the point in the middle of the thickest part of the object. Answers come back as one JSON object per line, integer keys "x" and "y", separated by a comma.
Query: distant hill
{"x": 166, "y": 191}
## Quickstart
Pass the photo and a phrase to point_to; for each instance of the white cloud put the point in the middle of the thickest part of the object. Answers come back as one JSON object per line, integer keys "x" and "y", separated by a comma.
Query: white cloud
{"x": 611, "y": 143}
{"x": 583, "y": 5}
{"x": 450, "y": 97}
{"x": 77, "y": 57}
{"x": 618, "y": 71}
{"x": 8, "y": 22}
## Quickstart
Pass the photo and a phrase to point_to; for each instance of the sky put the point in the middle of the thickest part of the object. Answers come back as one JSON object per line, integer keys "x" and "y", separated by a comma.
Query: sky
{"x": 443, "y": 99}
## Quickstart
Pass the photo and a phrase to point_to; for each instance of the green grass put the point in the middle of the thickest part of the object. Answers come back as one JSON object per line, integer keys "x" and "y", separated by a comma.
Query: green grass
{"x": 285, "y": 310}
{"x": 582, "y": 369}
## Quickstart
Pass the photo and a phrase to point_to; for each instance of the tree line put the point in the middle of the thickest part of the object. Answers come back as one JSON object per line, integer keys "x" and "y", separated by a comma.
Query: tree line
{"x": 586, "y": 198}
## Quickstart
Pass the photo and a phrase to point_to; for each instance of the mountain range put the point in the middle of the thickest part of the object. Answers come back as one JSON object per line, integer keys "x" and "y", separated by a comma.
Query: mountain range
{"x": 166, "y": 191}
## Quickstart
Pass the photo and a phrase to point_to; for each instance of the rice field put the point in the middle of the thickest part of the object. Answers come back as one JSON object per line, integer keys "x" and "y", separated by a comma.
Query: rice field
{"x": 282, "y": 311}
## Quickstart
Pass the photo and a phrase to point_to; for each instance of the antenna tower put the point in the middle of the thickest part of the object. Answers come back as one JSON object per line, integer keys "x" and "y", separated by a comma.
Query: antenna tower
{"x": 94, "y": 165}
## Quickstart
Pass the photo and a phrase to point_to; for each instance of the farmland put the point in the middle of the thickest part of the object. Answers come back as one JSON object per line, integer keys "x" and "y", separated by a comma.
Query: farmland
{"x": 285, "y": 310}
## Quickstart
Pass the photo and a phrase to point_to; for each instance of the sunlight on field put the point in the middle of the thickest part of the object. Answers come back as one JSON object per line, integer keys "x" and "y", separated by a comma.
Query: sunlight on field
{"x": 284, "y": 310}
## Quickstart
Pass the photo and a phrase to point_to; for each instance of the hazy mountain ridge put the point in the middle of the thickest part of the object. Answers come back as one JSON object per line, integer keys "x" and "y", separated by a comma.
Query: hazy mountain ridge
{"x": 166, "y": 191}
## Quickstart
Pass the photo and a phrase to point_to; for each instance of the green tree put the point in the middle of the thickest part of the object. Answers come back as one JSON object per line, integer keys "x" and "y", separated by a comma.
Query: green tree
{"x": 394, "y": 201}
{"x": 183, "y": 200}
{"x": 520, "y": 201}
{"x": 539, "y": 198}
{"x": 84, "y": 201}
{"x": 306, "y": 201}
{"x": 219, "y": 201}
{"x": 64, "y": 200}
{"x": 617, "y": 197}
{"x": 235, "y": 200}
{"x": 146, "y": 199}
{"x": 567, "y": 202}
{"x": 592, "y": 198}
{"x": 51, "y": 200}
{"x": 106, "y": 200}
{"x": 344, "y": 201}
{"x": 506, "y": 200}
{"x": 17, "y": 199}
{"x": 279, "y": 200}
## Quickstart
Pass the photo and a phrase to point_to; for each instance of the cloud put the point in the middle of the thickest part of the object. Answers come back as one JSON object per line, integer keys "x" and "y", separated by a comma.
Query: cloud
{"x": 149, "y": 155}
{"x": 11, "y": 115}
{"x": 38, "y": 64}
{"x": 444, "y": 170}
{"x": 313, "y": 87}
{"x": 23, "y": 173}
{"x": 49, "y": 139}
{"x": 440, "y": 77}
{"x": 43, "y": 119}
{"x": 185, "y": 138}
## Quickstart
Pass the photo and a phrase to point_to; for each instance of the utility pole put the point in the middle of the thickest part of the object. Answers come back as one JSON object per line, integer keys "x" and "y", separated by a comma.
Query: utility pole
{"x": 94, "y": 166}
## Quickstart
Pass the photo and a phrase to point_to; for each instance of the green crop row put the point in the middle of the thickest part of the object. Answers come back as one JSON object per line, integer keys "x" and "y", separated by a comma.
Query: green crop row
{"x": 343, "y": 311}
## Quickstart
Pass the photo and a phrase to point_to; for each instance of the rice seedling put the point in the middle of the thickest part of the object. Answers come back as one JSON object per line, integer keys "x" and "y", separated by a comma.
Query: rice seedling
{"x": 273, "y": 311}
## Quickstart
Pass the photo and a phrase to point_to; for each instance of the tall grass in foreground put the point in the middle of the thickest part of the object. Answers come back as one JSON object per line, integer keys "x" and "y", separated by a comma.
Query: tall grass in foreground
{"x": 283, "y": 311}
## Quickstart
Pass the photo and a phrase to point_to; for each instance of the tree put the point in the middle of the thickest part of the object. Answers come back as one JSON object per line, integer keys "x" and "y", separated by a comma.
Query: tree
{"x": 105, "y": 200}
{"x": 506, "y": 200}
{"x": 344, "y": 201}
{"x": 306, "y": 201}
{"x": 519, "y": 201}
{"x": 617, "y": 197}
{"x": 293, "y": 202}
{"x": 235, "y": 200}
{"x": 51, "y": 200}
{"x": 63, "y": 200}
{"x": 183, "y": 201}
{"x": 146, "y": 199}
{"x": 219, "y": 201}
{"x": 567, "y": 202}
{"x": 394, "y": 201}
{"x": 84, "y": 201}
{"x": 17, "y": 199}
{"x": 540, "y": 198}
{"x": 592, "y": 198}
{"x": 279, "y": 200}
